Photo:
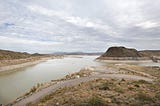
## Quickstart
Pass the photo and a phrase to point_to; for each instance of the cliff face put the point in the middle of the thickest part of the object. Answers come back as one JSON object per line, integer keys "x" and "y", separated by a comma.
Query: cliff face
{"x": 121, "y": 52}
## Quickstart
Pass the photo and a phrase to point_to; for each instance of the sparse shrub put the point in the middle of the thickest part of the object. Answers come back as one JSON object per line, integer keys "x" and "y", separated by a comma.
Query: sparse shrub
{"x": 29, "y": 104}
{"x": 136, "y": 85}
{"x": 119, "y": 89}
{"x": 142, "y": 82}
{"x": 38, "y": 85}
{"x": 33, "y": 89}
{"x": 44, "y": 99}
{"x": 130, "y": 88}
{"x": 123, "y": 79}
{"x": 104, "y": 87}
{"x": 157, "y": 95}
{"x": 26, "y": 93}
{"x": 93, "y": 101}
{"x": 142, "y": 99}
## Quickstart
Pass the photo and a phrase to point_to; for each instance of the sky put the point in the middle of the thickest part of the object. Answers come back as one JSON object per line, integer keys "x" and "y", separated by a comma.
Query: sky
{"x": 48, "y": 26}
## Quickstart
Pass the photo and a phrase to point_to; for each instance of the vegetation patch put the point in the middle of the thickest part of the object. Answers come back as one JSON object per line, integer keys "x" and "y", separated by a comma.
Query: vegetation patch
{"x": 93, "y": 101}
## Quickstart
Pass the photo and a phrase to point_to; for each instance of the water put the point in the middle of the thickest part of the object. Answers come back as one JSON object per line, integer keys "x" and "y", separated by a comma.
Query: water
{"x": 15, "y": 84}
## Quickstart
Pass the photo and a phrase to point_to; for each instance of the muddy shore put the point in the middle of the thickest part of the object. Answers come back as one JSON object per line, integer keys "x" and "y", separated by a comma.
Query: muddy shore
{"x": 9, "y": 65}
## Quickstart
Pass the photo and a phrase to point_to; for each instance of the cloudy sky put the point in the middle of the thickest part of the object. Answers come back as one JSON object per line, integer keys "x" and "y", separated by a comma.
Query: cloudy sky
{"x": 48, "y": 26}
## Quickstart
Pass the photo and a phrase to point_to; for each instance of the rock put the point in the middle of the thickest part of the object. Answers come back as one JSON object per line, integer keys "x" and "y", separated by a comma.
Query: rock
{"x": 88, "y": 68}
{"x": 77, "y": 76}
{"x": 57, "y": 104}
{"x": 121, "y": 52}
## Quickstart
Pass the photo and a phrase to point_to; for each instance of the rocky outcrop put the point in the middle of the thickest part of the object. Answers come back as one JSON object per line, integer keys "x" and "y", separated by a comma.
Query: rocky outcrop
{"x": 123, "y": 53}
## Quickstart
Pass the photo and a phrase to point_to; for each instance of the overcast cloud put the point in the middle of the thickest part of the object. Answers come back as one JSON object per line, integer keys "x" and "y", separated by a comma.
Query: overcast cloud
{"x": 48, "y": 26}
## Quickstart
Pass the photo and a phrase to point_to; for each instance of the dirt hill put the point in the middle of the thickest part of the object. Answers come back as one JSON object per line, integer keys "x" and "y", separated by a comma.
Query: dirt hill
{"x": 10, "y": 55}
{"x": 121, "y": 52}
{"x": 7, "y": 55}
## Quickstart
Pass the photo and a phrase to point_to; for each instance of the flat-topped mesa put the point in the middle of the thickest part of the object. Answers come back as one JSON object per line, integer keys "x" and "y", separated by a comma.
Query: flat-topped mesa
{"x": 122, "y": 53}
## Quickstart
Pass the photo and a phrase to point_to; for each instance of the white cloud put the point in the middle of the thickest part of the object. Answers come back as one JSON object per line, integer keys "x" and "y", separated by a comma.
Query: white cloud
{"x": 66, "y": 25}
{"x": 85, "y": 22}
{"x": 80, "y": 21}
{"x": 25, "y": 41}
{"x": 40, "y": 10}
{"x": 90, "y": 24}
{"x": 44, "y": 11}
{"x": 147, "y": 24}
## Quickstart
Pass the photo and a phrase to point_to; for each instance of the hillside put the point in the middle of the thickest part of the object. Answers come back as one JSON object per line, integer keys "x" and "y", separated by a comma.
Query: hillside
{"x": 10, "y": 55}
{"x": 121, "y": 52}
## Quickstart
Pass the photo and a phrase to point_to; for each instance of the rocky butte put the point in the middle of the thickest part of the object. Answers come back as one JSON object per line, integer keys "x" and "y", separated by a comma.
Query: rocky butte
{"x": 123, "y": 53}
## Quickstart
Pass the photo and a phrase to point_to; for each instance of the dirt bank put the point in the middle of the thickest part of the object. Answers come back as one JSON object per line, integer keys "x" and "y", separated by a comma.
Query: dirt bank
{"x": 8, "y": 65}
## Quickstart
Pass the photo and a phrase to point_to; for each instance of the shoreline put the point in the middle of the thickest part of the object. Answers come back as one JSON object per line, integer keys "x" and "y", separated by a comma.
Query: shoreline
{"x": 10, "y": 68}
{"x": 130, "y": 59}
{"x": 123, "y": 61}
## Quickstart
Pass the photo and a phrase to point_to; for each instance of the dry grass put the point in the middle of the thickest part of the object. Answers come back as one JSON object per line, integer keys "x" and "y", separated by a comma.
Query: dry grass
{"x": 109, "y": 92}
{"x": 105, "y": 92}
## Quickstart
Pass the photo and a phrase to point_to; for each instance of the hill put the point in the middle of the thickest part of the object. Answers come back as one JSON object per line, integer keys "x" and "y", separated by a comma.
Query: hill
{"x": 10, "y": 55}
{"x": 123, "y": 53}
{"x": 7, "y": 55}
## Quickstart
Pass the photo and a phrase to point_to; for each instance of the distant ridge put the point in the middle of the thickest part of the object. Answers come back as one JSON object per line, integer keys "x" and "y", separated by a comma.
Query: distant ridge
{"x": 77, "y": 53}
{"x": 9, "y": 55}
